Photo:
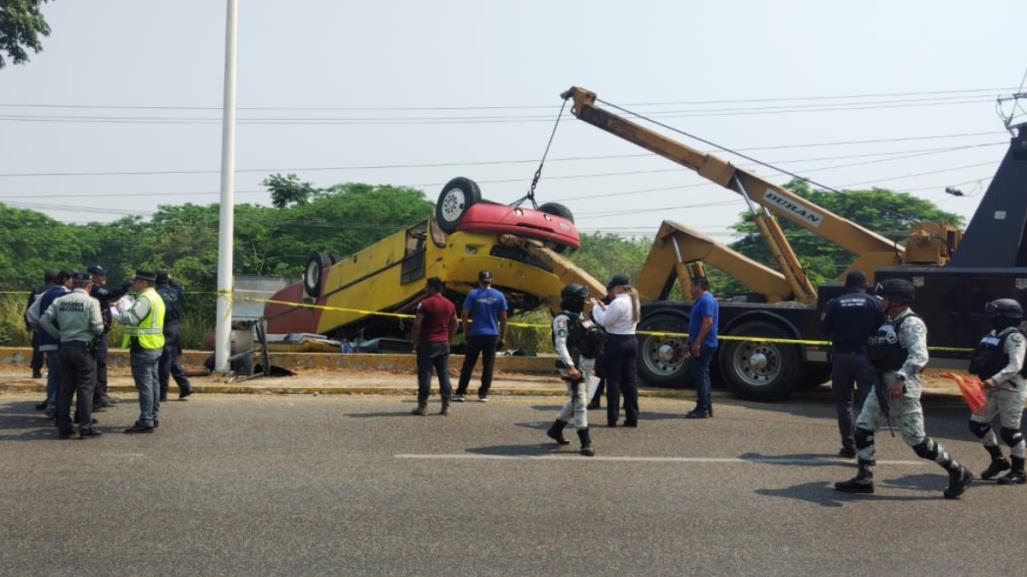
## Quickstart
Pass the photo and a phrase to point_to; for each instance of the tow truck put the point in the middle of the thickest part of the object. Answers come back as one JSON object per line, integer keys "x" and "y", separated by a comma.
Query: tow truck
{"x": 369, "y": 295}
{"x": 955, "y": 272}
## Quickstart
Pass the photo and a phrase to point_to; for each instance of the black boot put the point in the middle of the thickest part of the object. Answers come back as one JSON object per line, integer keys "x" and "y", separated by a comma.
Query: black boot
{"x": 1017, "y": 475}
{"x": 959, "y": 479}
{"x": 998, "y": 464}
{"x": 445, "y": 407}
{"x": 586, "y": 442}
{"x": 863, "y": 482}
{"x": 555, "y": 432}
{"x": 421, "y": 410}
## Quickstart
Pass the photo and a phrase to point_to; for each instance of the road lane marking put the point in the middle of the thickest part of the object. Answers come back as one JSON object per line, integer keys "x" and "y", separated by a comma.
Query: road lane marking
{"x": 713, "y": 460}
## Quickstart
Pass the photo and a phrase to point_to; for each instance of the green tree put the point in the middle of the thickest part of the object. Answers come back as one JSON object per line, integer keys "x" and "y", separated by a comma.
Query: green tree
{"x": 883, "y": 211}
{"x": 21, "y": 26}
{"x": 288, "y": 190}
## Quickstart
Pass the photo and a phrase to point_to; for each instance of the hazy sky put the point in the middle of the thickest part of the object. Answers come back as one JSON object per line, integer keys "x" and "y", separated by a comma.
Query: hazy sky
{"x": 343, "y": 86}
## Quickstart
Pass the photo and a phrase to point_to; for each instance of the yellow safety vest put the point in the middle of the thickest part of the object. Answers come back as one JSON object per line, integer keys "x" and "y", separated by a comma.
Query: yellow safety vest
{"x": 150, "y": 330}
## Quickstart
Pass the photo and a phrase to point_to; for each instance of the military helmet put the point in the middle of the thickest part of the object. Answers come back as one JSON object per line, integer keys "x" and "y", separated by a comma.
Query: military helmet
{"x": 897, "y": 289}
{"x": 573, "y": 297}
{"x": 1006, "y": 308}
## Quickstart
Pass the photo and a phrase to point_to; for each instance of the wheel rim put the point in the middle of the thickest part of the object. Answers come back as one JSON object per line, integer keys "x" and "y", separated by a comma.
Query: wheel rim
{"x": 313, "y": 278}
{"x": 663, "y": 356}
{"x": 453, "y": 203}
{"x": 757, "y": 364}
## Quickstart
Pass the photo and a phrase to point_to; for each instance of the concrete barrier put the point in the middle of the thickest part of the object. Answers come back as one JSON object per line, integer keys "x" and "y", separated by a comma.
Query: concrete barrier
{"x": 395, "y": 363}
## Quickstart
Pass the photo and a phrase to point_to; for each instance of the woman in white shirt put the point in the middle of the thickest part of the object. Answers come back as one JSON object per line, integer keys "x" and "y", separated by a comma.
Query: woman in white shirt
{"x": 620, "y": 318}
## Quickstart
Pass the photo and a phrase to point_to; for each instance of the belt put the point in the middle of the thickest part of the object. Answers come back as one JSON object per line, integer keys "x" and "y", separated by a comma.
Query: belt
{"x": 79, "y": 344}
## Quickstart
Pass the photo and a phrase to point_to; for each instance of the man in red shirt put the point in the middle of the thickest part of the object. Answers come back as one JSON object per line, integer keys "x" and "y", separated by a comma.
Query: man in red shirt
{"x": 434, "y": 324}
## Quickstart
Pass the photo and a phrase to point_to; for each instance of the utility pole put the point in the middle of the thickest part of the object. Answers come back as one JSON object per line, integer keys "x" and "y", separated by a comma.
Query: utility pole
{"x": 226, "y": 222}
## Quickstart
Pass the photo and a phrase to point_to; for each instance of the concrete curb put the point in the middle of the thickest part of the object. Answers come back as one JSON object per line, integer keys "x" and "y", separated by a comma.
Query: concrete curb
{"x": 243, "y": 389}
{"x": 392, "y": 362}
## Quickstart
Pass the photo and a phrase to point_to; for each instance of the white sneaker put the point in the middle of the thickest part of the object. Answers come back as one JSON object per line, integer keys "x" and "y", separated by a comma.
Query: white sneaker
{"x": 483, "y": 399}
{"x": 457, "y": 398}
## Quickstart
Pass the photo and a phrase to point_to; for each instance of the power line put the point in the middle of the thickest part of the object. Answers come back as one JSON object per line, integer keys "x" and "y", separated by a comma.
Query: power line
{"x": 469, "y": 119}
{"x": 508, "y": 107}
{"x": 517, "y": 161}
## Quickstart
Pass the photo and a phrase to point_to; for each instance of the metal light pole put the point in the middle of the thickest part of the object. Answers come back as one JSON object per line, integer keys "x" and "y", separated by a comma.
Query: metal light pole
{"x": 226, "y": 226}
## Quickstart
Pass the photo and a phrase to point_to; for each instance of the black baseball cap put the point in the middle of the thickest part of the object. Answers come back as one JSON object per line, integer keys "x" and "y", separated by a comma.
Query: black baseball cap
{"x": 97, "y": 270}
{"x": 163, "y": 277}
{"x": 485, "y": 276}
{"x": 618, "y": 280}
{"x": 81, "y": 278}
{"x": 145, "y": 275}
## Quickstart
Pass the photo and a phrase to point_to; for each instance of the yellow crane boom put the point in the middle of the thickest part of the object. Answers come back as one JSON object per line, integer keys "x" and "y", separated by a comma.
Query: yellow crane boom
{"x": 871, "y": 249}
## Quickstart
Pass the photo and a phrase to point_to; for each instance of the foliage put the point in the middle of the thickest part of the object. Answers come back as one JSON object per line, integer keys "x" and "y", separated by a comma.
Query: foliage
{"x": 288, "y": 190}
{"x": 275, "y": 241}
{"x": 887, "y": 213}
{"x": 21, "y": 25}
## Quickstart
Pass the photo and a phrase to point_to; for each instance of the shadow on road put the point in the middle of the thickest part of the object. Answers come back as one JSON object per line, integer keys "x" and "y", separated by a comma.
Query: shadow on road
{"x": 381, "y": 415}
{"x": 516, "y": 450}
{"x": 23, "y": 417}
{"x": 798, "y": 459}
{"x": 823, "y": 493}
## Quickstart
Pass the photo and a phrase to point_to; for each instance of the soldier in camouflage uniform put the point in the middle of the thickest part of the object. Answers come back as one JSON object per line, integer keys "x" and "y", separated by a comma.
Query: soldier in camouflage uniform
{"x": 899, "y": 353}
{"x": 998, "y": 361}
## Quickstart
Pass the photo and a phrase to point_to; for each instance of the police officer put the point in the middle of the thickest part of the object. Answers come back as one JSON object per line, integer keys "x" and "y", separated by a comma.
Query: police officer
{"x": 168, "y": 366}
{"x": 575, "y": 361}
{"x": 898, "y": 352}
{"x": 78, "y": 316}
{"x": 36, "y": 364}
{"x": 48, "y": 344}
{"x": 106, "y": 296}
{"x": 849, "y": 321}
{"x": 998, "y": 361}
{"x": 143, "y": 317}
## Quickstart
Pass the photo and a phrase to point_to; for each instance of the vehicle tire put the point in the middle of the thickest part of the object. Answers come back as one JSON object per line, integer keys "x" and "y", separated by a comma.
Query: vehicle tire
{"x": 661, "y": 359}
{"x": 317, "y": 262}
{"x": 557, "y": 209}
{"x": 759, "y": 371}
{"x": 456, "y": 197}
{"x": 813, "y": 375}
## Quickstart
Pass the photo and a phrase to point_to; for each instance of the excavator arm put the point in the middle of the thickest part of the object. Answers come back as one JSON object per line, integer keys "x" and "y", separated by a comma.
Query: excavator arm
{"x": 872, "y": 250}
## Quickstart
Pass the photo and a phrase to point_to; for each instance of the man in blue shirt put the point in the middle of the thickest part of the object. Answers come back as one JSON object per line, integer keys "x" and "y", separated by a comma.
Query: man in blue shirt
{"x": 484, "y": 324}
{"x": 702, "y": 344}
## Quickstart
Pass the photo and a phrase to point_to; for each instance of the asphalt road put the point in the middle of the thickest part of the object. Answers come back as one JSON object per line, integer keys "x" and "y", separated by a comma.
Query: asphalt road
{"x": 350, "y": 485}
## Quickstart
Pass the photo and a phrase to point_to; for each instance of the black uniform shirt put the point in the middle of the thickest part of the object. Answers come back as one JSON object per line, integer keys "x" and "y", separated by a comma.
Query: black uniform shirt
{"x": 851, "y": 319}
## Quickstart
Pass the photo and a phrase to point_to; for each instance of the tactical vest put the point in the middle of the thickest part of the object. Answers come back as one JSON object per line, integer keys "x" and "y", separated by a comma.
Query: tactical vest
{"x": 884, "y": 349}
{"x": 989, "y": 356}
{"x": 149, "y": 333}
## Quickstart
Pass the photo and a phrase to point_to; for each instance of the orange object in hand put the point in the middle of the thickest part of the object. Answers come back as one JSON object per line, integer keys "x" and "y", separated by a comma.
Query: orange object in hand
{"x": 972, "y": 390}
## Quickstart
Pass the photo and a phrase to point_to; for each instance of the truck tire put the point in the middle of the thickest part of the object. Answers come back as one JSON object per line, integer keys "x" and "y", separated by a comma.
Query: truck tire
{"x": 456, "y": 197}
{"x": 317, "y": 262}
{"x": 557, "y": 209}
{"x": 759, "y": 371}
{"x": 661, "y": 359}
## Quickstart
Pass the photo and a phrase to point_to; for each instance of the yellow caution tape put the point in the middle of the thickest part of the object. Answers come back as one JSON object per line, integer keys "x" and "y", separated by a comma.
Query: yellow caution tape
{"x": 757, "y": 339}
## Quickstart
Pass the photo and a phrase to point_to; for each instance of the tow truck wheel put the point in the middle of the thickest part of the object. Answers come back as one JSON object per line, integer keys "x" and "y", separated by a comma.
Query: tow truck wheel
{"x": 759, "y": 370}
{"x": 661, "y": 358}
{"x": 456, "y": 197}
{"x": 317, "y": 262}
{"x": 557, "y": 209}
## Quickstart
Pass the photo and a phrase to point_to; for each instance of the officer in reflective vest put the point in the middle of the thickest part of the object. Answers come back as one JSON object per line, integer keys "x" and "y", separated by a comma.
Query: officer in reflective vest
{"x": 899, "y": 353}
{"x": 143, "y": 317}
{"x": 998, "y": 361}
